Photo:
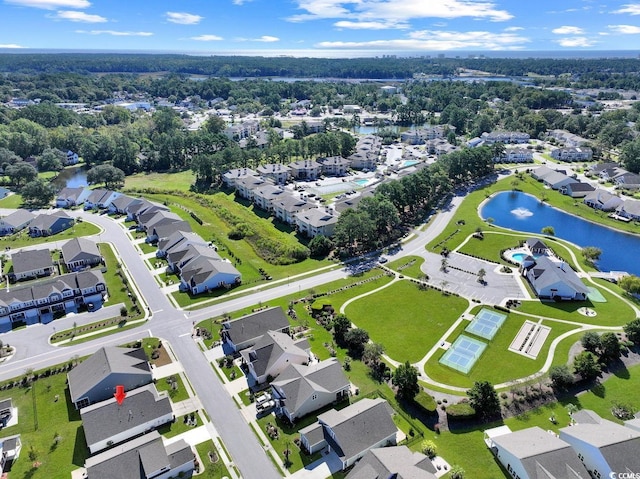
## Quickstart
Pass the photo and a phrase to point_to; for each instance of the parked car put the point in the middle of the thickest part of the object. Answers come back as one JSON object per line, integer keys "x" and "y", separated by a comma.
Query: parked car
{"x": 260, "y": 400}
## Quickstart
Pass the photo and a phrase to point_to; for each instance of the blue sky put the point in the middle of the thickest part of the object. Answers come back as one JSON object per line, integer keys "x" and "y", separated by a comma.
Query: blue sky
{"x": 320, "y": 27}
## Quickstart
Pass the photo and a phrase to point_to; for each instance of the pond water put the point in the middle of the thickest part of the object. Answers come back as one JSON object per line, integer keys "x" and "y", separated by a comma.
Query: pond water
{"x": 523, "y": 212}
{"x": 71, "y": 178}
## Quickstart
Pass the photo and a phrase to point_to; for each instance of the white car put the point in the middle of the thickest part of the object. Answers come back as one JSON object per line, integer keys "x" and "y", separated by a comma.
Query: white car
{"x": 260, "y": 400}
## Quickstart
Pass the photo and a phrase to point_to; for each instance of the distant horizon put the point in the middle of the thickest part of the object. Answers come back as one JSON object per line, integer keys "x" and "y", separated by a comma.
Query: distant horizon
{"x": 345, "y": 54}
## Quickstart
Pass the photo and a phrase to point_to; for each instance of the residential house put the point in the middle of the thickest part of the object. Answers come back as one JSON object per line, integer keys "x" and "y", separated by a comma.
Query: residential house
{"x": 108, "y": 423}
{"x": 141, "y": 207}
{"x": 540, "y": 173}
{"x": 572, "y": 154}
{"x": 121, "y": 203}
{"x": 31, "y": 264}
{"x": 602, "y": 200}
{"x": 627, "y": 180}
{"x": 69, "y": 197}
{"x": 504, "y": 137}
{"x": 629, "y": 209}
{"x": 577, "y": 190}
{"x": 72, "y": 158}
{"x": 302, "y": 389}
{"x": 555, "y": 280}
{"x": 10, "y": 448}
{"x": 557, "y": 180}
{"x": 246, "y": 186}
{"x": 204, "y": 274}
{"x": 389, "y": 89}
{"x": 95, "y": 379}
{"x": 614, "y": 170}
{"x": 160, "y": 224}
{"x": 567, "y": 138}
{"x": 536, "y": 246}
{"x": 278, "y": 173}
{"x": 352, "y": 431}
{"x": 603, "y": 446}
{"x": 43, "y": 300}
{"x": 599, "y": 167}
{"x": 397, "y": 462}
{"x": 176, "y": 241}
{"x": 363, "y": 160}
{"x": 265, "y": 195}
{"x": 7, "y": 412}
{"x": 244, "y": 332}
{"x": 515, "y": 155}
{"x": 230, "y": 177}
{"x": 99, "y": 199}
{"x": 317, "y": 221}
{"x": 242, "y": 130}
{"x": 16, "y": 221}
{"x": 145, "y": 457}
{"x": 272, "y": 353}
{"x": 421, "y": 135}
{"x": 534, "y": 453}
{"x": 307, "y": 170}
{"x": 286, "y": 208}
{"x": 334, "y": 165}
{"x": 50, "y": 224}
{"x": 354, "y": 109}
{"x": 80, "y": 253}
{"x": 186, "y": 251}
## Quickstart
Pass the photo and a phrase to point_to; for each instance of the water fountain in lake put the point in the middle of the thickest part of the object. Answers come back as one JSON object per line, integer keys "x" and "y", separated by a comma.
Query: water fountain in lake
{"x": 521, "y": 213}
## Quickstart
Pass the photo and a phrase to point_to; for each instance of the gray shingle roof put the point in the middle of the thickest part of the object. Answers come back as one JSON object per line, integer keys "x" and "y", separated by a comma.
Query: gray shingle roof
{"x": 70, "y": 193}
{"x": 43, "y": 222}
{"x": 31, "y": 260}
{"x": 318, "y": 217}
{"x": 105, "y": 361}
{"x": 177, "y": 238}
{"x": 254, "y": 325}
{"x": 106, "y": 419}
{"x": 77, "y": 249}
{"x": 18, "y": 217}
{"x": 269, "y": 348}
{"x": 398, "y": 462}
{"x": 547, "y": 273}
{"x": 359, "y": 426}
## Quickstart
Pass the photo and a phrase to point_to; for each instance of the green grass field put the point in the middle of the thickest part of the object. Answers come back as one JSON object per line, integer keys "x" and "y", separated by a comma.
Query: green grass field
{"x": 12, "y": 201}
{"x": 389, "y": 314}
{"x": 165, "y": 181}
{"x": 176, "y": 395}
{"x": 407, "y": 265}
{"x": 215, "y": 470}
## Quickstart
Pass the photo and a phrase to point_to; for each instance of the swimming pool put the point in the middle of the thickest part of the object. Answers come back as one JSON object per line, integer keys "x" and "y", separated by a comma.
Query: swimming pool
{"x": 361, "y": 182}
{"x": 518, "y": 257}
{"x": 410, "y": 162}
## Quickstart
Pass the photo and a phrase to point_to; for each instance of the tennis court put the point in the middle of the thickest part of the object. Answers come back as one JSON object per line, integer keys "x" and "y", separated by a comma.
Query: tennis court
{"x": 486, "y": 323}
{"x": 463, "y": 353}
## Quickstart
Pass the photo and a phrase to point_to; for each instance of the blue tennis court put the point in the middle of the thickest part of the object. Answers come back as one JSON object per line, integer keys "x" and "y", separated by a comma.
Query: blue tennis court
{"x": 463, "y": 353}
{"x": 486, "y": 323}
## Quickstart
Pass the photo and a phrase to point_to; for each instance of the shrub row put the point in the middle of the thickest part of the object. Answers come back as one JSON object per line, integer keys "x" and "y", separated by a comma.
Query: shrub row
{"x": 425, "y": 401}
{"x": 461, "y": 411}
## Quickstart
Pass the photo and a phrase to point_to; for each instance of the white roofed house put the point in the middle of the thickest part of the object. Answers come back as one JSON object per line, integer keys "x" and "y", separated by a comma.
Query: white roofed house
{"x": 515, "y": 155}
{"x": 534, "y": 453}
{"x": 16, "y": 221}
{"x": 230, "y": 177}
{"x": 302, "y": 389}
{"x": 572, "y": 154}
{"x": 555, "y": 280}
{"x": 629, "y": 209}
{"x": 352, "y": 431}
{"x": 317, "y": 221}
{"x": 69, "y": 197}
{"x": 334, "y": 165}
{"x": 272, "y": 353}
{"x": 602, "y": 200}
{"x": 305, "y": 169}
{"x": 602, "y": 445}
{"x": 286, "y": 208}
{"x": 277, "y": 172}
{"x": 363, "y": 160}
{"x": 265, "y": 195}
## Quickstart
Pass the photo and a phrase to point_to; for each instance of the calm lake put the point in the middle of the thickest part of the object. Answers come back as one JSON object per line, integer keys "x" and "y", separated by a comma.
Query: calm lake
{"x": 71, "y": 178}
{"x": 523, "y": 212}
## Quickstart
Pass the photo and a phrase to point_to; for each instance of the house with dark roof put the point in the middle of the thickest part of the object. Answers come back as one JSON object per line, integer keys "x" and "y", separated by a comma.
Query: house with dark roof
{"x": 397, "y": 462}
{"x": 30, "y": 264}
{"x": 69, "y": 197}
{"x": 96, "y": 378}
{"x": 145, "y": 457}
{"x": 302, "y": 389}
{"x": 557, "y": 180}
{"x": 603, "y": 446}
{"x": 42, "y": 301}
{"x": 534, "y": 453}
{"x": 602, "y": 200}
{"x": 121, "y": 203}
{"x": 108, "y": 423}
{"x": 272, "y": 353}
{"x": 178, "y": 240}
{"x": 317, "y": 221}
{"x": 10, "y": 448}
{"x": 305, "y": 170}
{"x": 6, "y": 412}
{"x": 536, "y": 246}
{"x": 162, "y": 224}
{"x": 277, "y": 172}
{"x": 16, "y": 221}
{"x": 577, "y": 190}
{"x": 80, "y": 253}
{"x": 555, "y": 280}
{"x": 50, "y": 224}
{"x": 352, "y": 431}
{"x": 334, "y": 165}
{"x": 141, "y": 206}
{"x": 627, "y": 179}
{"x": 244, "y": 332}
{"x": 206, "y": 273}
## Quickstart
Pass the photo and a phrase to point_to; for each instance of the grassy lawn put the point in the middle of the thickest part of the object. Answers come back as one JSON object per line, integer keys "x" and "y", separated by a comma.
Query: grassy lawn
{"x": 216, "y": 470}
{"x": 13, "y": 201}
{"x": 115, "y": 286}
{"x": 612, "y": 313}
{"x": 147, "y": 248}
{"x": 23, "y": 239}
{"x": 512, "y": 365}
{"x": 178, "y": 426}
{"x": 407, "y": 265}
{"x": 232, "y": 373}
{"x": 178, "y": 181}
{"x": 388, "y": 314}
{"x": 245, "y": 397}
{"x": 40, "y": 420}
{"x": 176, "y": 395}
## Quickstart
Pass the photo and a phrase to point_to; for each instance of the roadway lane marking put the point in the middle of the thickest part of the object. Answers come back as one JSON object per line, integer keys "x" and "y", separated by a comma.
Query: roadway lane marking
{"x": 185, "y": 334}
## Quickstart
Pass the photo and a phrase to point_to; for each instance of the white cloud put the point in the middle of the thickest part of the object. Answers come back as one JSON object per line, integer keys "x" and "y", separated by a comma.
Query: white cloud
{"x": 348, "y": 24}
{"x": 183, "y": 18}
{"x": 630, "y": 8}
{"x": 241, "y": 2}
{"x": 624, "y": 29}
{"x": 79, "y": 17}
{"x": 10, "y": 45}
{"x": 207, "y": 38}
{"x": 115, "y": 33}
{"x": 50, "y": 4}
{"x": 575, "y": 42}
{"x": 266, "y": 39}
{"x": 438, "y": 40}
{"x": 513, "y": 29}
{"x": 395, "y": 11}
{"x": 568, "y": 30}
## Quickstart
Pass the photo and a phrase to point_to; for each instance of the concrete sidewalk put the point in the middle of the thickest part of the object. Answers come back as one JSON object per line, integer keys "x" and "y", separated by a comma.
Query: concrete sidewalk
{"x": 167, "y": 370}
